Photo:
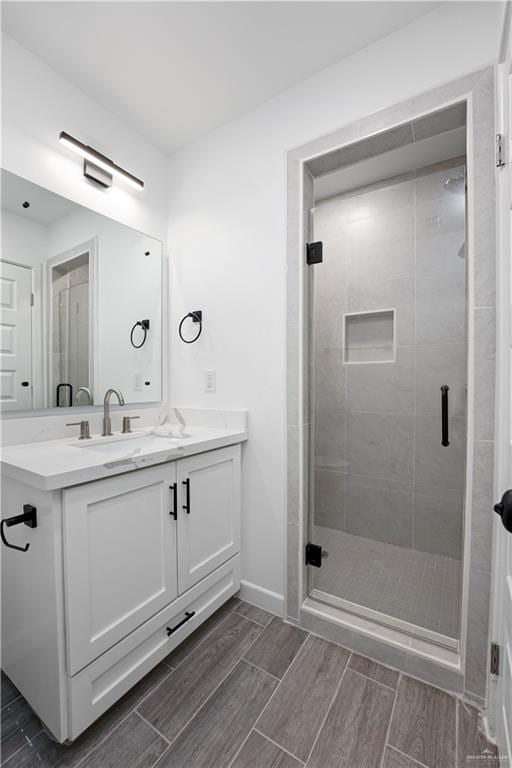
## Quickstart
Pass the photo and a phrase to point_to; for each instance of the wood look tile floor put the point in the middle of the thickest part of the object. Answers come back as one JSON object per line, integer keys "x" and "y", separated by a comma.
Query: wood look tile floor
{"x": 247, "y": 690}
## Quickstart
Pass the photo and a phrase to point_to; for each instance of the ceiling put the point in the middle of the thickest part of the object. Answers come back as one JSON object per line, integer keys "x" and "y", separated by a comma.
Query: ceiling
{"x": 45, "y": 207}
{"x": 175, "y": 71}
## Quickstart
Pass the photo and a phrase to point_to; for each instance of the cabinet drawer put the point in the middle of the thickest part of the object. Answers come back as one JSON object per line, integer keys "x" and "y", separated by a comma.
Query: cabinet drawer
{"x": 93, "y": 690}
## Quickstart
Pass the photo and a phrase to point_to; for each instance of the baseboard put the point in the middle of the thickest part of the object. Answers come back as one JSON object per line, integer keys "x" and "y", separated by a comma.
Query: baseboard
{"x": 263, "y": 598}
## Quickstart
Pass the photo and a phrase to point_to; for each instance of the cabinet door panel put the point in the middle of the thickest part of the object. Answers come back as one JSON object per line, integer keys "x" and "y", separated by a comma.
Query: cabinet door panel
{"x": 120, "y": 558}
{"x": 209, "y": 534}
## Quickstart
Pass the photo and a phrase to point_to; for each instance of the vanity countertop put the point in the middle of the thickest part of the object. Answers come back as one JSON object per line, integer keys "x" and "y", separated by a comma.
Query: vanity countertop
{"x": 53, "y": 464}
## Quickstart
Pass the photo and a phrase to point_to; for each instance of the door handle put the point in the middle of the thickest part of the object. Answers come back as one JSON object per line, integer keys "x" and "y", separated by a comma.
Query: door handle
{"x": 504, "y": 509}
{"x": 188, "y": 616}
{"x": 186, "y": 506}
{"x": 174, "y": 489}
{"x": 444, "y": 415}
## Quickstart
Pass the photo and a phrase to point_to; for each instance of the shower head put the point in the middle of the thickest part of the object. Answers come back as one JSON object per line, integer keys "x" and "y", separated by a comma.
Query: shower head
{"x": 456, "y": 185}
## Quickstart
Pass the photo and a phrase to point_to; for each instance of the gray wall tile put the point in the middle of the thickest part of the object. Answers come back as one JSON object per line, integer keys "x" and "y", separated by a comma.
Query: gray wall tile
{"x": 477, "y": 633}
{"x": 441, "y": 235}
{"x": 485, "y": 360}
{"x": 482, "y": 506}
{"x": 379, "y": 514}
{"x": 438, "y": 525}
{"x": 484, "y": 129}
{"x": 293, "y": 484}
{"x": 330, "y": 373}
{"x": 440, "y": 121}
{"x": 436, "y": 465}
{"x": 387, "y": 294}
{"x": 330, "y": 438}
{"x": 436, "y": 365}
{"x": 441, "y": 307}
{"x": 380, "y": 445}
{"x": 430, "y": 185}
{"x": 485, "y": 241}
{"x": 329, "y": 499}
{"x": 383, "y": 251}
{"x": 387, "y": 388}
{"x": 382, "y": 198}
{"x": 292, "y": 570}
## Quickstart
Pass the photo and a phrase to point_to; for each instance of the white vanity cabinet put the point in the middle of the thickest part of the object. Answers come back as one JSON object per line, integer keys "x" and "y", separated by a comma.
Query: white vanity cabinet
{"x": 119, "y": 571}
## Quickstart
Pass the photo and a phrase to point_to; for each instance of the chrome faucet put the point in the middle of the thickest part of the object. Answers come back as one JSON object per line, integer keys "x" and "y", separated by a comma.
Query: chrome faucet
{"x": 107, "y": 421}
{"x": 87, "y": 392}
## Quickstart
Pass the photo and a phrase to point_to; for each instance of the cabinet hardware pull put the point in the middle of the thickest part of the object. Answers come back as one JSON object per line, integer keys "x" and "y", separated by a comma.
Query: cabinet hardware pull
{"x": 29, "y": 517}
{"x": 174, "y": 489}
{"x": 186, "y": 506}
{"x": 188, "y": 616}
{"x": 444, "y": 415}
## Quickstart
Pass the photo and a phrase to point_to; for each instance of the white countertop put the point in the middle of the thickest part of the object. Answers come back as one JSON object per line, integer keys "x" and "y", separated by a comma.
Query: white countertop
{"x": 54, "y": 464}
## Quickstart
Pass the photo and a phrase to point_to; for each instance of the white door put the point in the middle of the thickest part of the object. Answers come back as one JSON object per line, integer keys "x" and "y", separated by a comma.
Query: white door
{"x": 500, "y": 709}
{"x": 120, "y": 563}
{"x": 209, "y": 513}
{"x": 15, "y": 337}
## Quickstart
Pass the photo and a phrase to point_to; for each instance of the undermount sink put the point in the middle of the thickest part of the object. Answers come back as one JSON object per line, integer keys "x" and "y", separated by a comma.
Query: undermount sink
{"x": 125, "y": 445}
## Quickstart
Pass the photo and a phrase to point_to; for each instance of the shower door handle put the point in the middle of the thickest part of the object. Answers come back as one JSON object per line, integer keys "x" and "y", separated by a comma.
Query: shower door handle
{"x": 444, "y": 415}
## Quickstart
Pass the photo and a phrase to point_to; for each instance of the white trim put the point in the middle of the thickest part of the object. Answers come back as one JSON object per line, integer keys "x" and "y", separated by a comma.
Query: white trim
{"x": 262, "y": 598}
{"x": 386, "y": 620}
{"x": 394, "y": 638}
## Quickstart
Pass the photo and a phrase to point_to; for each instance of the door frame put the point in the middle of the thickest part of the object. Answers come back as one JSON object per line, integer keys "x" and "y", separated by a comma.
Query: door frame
{"x": 503, "y": 431}
{"x": 469, "y": 672}
{"x": 91, "y": 248}
{"x": 36, "y": 337}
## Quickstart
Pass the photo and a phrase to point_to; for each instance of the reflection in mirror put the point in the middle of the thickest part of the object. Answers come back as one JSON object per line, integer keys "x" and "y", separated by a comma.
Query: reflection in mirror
{"x": 80, "y": 304}
{"x": 70, "y": 311}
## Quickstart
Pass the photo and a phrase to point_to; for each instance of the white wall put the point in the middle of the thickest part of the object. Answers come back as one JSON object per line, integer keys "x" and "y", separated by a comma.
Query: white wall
{"x": 23, "y": 241}
{"x": 227, "y": 238}
{"x": 37, "y": 104}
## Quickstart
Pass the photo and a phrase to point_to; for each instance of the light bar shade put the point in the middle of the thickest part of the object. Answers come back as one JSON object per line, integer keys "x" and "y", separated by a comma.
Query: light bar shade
{"x": 98, "y": 159}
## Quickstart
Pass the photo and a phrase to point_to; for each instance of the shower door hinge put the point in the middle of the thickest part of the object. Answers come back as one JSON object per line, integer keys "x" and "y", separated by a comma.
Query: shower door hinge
{"x": 32, "y": 299}
{"x": 314, "y": 555}
{"x": 500, "y": 150}
{"x": 495, "y": 659}
{"x": 314, "y": 253}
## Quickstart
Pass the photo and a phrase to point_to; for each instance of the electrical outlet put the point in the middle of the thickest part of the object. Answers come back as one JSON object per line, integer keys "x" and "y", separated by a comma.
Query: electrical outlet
{"x": 137, "y": 381}
{"x": 210, "y": 380}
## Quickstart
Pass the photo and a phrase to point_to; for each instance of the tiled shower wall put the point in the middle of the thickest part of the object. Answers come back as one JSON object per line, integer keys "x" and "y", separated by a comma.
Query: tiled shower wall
{"x": 380, "y": 469}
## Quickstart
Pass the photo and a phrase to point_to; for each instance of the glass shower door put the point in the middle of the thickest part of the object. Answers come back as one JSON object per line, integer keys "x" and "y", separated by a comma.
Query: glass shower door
{"x": 389, "y": 354}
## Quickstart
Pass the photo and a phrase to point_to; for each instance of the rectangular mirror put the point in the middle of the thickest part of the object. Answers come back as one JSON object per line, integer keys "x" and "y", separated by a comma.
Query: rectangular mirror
{"x": 80, "y": 304}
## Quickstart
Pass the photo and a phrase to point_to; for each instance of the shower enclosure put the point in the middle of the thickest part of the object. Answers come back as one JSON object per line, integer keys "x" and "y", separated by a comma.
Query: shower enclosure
{"x": 388, "y": 347}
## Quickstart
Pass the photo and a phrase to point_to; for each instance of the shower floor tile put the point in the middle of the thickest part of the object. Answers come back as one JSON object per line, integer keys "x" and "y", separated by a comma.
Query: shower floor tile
{"x": 417, "y": 587}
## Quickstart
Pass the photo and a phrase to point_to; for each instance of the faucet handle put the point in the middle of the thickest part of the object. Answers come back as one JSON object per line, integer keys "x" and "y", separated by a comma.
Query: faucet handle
{"x": 85, "y": 433}
{"x": 127, "y": 425}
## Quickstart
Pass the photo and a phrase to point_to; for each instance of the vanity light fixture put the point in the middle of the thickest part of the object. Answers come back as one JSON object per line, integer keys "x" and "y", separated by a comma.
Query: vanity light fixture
{"x": 98, "y": 167}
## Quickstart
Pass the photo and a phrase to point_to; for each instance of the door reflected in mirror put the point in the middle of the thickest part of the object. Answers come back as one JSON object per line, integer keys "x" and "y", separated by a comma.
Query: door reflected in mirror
{"x": 80, "y": 304}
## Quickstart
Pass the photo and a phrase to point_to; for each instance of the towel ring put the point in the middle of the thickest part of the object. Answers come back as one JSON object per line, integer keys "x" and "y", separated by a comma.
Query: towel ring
{"x": 144, "y": 324}
{"x": 197, "y": 317}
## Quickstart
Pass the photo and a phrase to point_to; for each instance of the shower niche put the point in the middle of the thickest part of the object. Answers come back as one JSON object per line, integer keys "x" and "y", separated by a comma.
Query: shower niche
{"x": 369, "y": 337}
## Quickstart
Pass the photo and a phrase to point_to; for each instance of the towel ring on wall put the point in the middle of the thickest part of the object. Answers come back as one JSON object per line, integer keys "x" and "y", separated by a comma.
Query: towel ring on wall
{"x": 144, "y": 324}
{"x": 197, "y": 317}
